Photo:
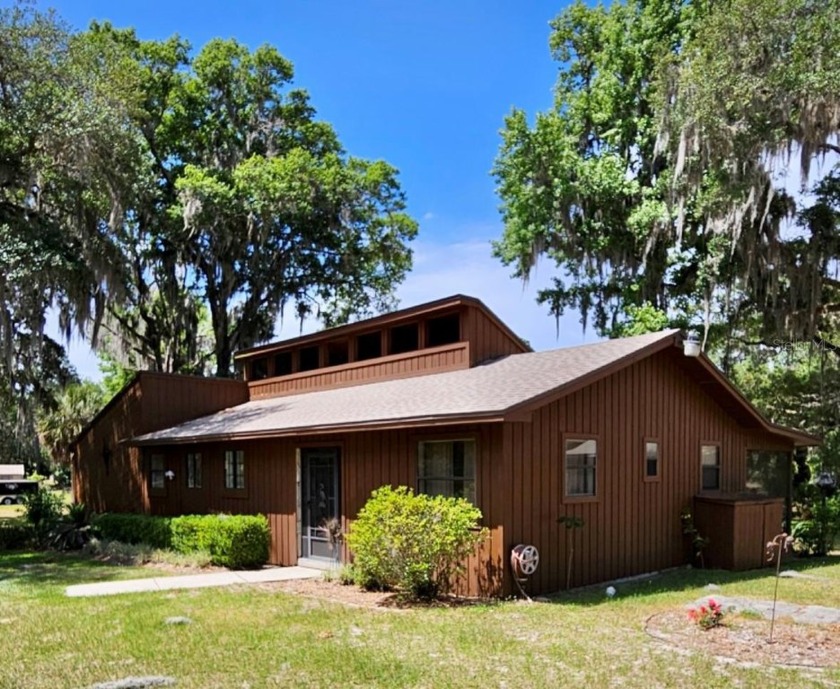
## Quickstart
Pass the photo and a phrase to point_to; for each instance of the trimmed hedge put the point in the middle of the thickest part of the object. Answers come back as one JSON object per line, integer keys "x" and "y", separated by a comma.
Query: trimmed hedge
{"x": 15, "y": 534}
{"x": 134, "y": 529}
{"x": 235, "y": 541}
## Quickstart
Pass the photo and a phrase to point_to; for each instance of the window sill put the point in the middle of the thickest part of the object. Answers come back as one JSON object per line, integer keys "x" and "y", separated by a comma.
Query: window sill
{"x": 653, "y": 479}
{"x": 236, "y": 493}
{"x": 577, "y": 499}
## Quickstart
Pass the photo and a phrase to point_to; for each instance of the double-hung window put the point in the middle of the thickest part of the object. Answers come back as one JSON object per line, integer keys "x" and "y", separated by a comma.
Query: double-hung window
{"x": 235, "y": 469}
{"x": 157, "y": 472}
{"x": 194, "y": 470}
{"x": 447, "y": 467}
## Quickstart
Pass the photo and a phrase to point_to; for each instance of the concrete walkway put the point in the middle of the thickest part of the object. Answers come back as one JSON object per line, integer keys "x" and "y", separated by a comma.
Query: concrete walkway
{"x": 192, "y": 581}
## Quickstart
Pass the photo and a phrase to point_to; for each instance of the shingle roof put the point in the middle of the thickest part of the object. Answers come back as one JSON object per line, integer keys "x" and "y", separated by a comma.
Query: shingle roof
{"x": 484, "y": 392}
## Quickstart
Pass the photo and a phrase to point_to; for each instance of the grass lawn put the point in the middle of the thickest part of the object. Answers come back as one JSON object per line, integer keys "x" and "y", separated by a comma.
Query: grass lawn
{"x": 261, "y": 637}
{"x": 10, "y": 511}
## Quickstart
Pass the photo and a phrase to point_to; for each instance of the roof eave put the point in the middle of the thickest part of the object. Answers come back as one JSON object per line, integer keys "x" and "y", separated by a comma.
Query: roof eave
{"x": 800, "y": 438}
{"x": 378, "y": 425}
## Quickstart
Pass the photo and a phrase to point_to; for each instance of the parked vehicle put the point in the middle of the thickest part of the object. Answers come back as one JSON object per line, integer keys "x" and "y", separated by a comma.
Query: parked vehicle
{"x": 12, "y": 492}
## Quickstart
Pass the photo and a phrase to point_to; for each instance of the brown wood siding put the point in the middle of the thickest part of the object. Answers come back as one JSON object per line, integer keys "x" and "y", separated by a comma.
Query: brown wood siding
{"x": 368, "y": 460}
{"x": 434, "y": 360}
{"x": 170, "y": 400}
{"x": 152, "y": 402}
{"x": 118, "y": 484}
{"x": 487, "y": 340}
{"x": 738, "y": 529}
{"x": 633, "y": 525}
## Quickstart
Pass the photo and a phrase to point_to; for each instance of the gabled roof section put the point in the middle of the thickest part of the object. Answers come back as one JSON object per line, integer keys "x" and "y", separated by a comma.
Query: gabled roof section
{"x": 500, "y": 390}
{"x": 385, "y": 319}
{"x": 139, "y": 383}
{"x": 110, "y": 404}
{"x": 702, "y": 371}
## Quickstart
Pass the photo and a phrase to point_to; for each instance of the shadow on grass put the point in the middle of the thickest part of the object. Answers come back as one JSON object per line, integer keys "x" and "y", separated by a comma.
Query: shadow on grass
{"x": 48, "y": 568}
{"x": 682, "y": 579}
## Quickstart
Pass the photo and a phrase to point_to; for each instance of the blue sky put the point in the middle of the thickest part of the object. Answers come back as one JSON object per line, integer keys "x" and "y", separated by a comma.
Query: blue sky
{"x": 423, "y": 85}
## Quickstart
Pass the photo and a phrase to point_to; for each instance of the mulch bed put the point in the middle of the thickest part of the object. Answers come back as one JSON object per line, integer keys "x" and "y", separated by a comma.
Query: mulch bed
{"x": 746, "y": 640}
{"x": 352, "y": 595}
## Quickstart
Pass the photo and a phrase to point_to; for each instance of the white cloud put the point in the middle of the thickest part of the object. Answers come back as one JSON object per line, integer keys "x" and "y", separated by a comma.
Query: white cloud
{"x": 468, "y": 267}
{"x": 428, "y": 215}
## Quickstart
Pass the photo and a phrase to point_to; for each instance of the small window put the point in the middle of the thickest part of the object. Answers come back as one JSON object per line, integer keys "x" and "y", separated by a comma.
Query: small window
{"x": 235, "y": 469}
{"x": 443, "y": 331}
{"x": 651, "y": 459}
{"x": 157, "y": 472}
{"x": 194, "y": 470}
{"x": 710, "y": 462}
{"x": 447, "y": 468}
{"x": 259, "y": 369}
{"x": 283, "y": 364}
{"x": 404, "y": 338}
{"x": 368, "y": 346}
{"x": 337, "y": 353}
{"x": 309, "y": 358}
{"x": 581, "y": 457}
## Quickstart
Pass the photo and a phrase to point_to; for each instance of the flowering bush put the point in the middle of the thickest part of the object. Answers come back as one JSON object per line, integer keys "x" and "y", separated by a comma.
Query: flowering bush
{"x": 707, "y": 616}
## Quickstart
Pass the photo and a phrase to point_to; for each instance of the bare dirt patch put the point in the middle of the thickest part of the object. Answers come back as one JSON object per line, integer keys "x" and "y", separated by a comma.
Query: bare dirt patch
{"x": 746, "y": 640}
{"x": 354, "y": 596}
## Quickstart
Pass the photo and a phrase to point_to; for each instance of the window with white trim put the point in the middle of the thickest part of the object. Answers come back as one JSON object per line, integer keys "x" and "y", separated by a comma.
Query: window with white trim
{"x": 581, "y": 461}
{"x": 447, "y": 467}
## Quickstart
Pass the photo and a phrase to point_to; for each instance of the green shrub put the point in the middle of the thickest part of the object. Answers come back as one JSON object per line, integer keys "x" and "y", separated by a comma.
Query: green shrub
{"x": 42, "y": 509}
{"x": 816, "y": 532}
{"x": 72, "y": 531}
{"x": 415, "y": 543}
{"x": 242, "y": 542}
{"x": 347, "y": 576}
{"x": 134, "y": 528}
{"x": 193, "y": 533}
{"x": 16, "y": 534}
{"x": 235, "y": 541}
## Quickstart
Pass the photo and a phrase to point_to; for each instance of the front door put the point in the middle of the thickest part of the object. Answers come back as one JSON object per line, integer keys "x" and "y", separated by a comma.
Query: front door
{"x": 319, "y": 502}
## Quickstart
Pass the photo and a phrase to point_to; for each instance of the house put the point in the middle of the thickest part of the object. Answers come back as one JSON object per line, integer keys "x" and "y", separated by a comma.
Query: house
{"x": 622, "y": 434}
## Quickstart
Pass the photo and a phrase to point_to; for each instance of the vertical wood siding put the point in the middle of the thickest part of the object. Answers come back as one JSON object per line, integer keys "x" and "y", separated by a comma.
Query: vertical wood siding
{"x": 739, "y": 529}
{"x": 633, "y": 525}
{"x": 153, "y": 401}
{"x": 368, "y": 461}
{"x": 435, "y": 360}
{"x": 487, "y": 340}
